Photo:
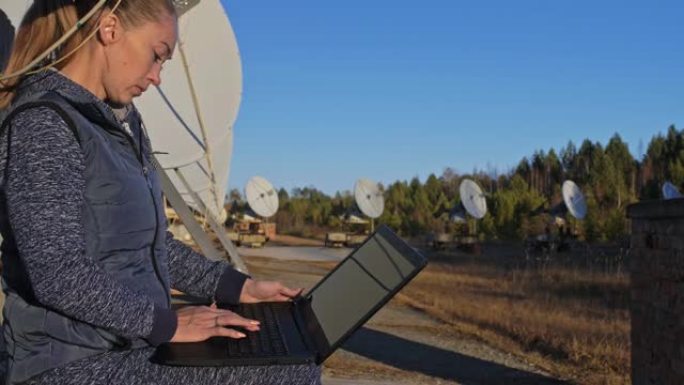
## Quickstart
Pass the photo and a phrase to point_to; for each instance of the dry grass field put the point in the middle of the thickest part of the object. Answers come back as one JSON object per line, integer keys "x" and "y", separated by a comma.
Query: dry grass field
{"x": 567, "y": 314}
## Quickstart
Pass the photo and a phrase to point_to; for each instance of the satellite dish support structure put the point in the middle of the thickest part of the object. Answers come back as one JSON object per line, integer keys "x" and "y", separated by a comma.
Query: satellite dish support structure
{"x": 194, "y": 228}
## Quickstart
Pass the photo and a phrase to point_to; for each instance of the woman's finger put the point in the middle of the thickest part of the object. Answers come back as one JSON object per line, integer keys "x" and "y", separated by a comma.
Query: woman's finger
{"x": 226, "y": 332}
{"x": 209, "y": 312}
{"x": 236, "y": 320}
{"x": 290, "y": 293}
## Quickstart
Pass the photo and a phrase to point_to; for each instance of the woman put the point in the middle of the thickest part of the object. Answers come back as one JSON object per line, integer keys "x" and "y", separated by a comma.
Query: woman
{"x": 87, "y": 261}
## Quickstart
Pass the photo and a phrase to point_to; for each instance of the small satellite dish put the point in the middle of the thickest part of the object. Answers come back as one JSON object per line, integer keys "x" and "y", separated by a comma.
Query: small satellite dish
{"x": 574, "y": 199}
{"x": 670, "y": 191}
{"x": 472, "y": 198}
{"x": 261, "y": 197}
{"x": 369, "y": 198}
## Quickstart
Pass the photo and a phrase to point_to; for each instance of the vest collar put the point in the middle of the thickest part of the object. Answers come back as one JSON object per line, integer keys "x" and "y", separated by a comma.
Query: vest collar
{"x": 83, "y": 100}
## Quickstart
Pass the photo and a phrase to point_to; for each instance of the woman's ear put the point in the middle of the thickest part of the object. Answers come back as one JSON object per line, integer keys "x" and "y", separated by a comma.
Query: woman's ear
{"x": 110, "y": 29}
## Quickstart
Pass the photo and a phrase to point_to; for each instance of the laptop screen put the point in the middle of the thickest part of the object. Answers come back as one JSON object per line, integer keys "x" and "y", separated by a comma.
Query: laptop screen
{"x": 363, "y": 282}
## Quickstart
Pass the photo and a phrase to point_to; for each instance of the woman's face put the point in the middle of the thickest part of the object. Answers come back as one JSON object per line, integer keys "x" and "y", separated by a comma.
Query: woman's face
{"x": 135, "y": 61}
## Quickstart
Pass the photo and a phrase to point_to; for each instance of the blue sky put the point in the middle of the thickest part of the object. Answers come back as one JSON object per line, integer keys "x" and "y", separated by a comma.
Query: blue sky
{"x": 389, "y": 90}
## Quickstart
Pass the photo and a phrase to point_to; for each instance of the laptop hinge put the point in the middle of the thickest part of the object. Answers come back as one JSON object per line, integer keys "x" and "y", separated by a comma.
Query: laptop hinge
{"x": 310, "y": 329}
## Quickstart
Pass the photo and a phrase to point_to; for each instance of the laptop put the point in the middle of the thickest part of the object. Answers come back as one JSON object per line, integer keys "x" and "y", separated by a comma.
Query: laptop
{"x": 311, "y": 327}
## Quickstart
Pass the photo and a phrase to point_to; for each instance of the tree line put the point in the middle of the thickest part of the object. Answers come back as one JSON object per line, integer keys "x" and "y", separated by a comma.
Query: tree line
{"x": 609, "y": 176}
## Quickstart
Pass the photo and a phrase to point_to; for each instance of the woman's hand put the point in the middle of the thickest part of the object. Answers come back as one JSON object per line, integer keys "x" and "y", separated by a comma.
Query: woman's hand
{"x": 198, "y": 323}
{"x": 266, "y": 291}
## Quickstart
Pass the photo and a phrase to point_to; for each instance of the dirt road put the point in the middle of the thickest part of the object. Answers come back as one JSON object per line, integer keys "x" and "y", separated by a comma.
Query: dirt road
{"x": 399, "y": 345}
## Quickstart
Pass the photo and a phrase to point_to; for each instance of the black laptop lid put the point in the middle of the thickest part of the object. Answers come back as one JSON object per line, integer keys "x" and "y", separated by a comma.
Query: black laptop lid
{"x": 362, "y": 283}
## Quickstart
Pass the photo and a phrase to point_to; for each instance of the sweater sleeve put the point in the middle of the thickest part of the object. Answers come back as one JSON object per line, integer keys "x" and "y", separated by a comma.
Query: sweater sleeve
{"x": 45, "y": 197}
{"x": 194, "y": 274}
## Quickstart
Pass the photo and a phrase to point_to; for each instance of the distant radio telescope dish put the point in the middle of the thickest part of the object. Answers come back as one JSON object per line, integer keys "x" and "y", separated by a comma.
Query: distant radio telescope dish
{"x": 574, "y": 199}
{"x": 369, "y": 198}
{"x": 261, "y": 197}
{"x": 670, "y": 191}
{"x": 473, "y": 199}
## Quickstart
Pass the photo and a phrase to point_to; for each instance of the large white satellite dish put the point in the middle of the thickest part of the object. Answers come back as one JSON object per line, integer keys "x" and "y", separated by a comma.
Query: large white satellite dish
{"x": 369, "y": 198}
{"x": 670, "y": 191}
{"x": 473, "y": 199}
{"x": 190, "y": 116}
{"x": 574, "y": 199}
{"x": 261, "y": 197}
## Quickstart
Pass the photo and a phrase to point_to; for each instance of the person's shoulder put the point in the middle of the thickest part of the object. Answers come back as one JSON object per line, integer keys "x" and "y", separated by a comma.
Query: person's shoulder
{"x": 39, "y": 125}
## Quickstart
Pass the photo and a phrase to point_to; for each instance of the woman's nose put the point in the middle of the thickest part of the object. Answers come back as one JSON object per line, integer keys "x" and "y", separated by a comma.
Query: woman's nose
{"x": 155, "y": 76}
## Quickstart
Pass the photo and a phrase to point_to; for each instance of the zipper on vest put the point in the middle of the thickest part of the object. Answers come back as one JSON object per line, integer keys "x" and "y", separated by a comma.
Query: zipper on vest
{"x": 145, "y": 172}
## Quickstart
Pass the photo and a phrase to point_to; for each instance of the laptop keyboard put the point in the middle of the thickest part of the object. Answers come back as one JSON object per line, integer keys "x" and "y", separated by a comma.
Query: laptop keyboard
{"x": 267, "y": 341}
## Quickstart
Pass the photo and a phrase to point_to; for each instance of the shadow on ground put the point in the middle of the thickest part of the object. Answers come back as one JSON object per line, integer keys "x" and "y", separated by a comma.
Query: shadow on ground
{"x": 436, "y": 362}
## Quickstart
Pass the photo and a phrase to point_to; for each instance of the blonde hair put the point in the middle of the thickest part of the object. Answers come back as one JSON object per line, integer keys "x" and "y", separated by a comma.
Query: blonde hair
{"x": 46, "y": 21}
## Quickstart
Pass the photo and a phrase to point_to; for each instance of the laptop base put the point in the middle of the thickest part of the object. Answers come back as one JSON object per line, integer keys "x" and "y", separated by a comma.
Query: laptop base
{"x": 225, "y": 351}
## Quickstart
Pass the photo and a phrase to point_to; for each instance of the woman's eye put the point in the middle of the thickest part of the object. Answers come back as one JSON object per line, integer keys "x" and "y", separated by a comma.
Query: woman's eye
{"x": 158, "y": 59}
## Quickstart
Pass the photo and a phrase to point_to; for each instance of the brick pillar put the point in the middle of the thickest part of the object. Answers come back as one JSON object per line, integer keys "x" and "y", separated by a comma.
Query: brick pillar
{"x": 657, "y": 292}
